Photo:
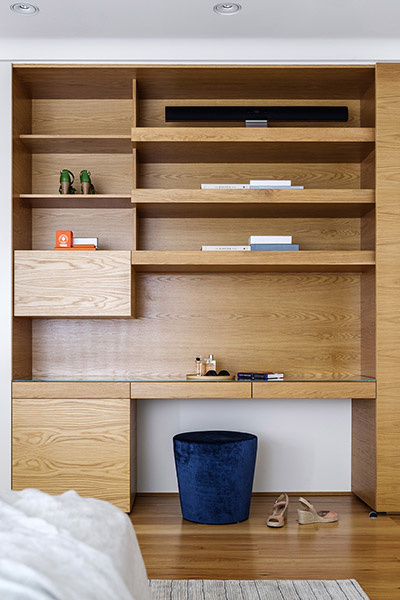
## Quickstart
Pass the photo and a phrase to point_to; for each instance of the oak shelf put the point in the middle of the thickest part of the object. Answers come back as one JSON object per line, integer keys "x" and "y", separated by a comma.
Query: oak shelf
{"x": 77, "y": 144}
{"x": 176, "y": 203}
{"x": 254, "y": 134}
{"x": 260, "y": 262}
{"x": 77, "y": 200}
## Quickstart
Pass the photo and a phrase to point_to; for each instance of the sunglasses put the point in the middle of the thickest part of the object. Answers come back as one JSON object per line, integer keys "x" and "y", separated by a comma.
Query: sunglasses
{"x": 222, "y": 373}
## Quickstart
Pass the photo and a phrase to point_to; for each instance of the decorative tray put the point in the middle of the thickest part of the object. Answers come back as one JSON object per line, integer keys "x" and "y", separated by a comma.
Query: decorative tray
{"x": 194, "y": 377}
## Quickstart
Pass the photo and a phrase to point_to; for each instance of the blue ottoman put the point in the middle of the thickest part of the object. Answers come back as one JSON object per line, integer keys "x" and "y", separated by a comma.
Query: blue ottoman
{"x": 215, "y": 472}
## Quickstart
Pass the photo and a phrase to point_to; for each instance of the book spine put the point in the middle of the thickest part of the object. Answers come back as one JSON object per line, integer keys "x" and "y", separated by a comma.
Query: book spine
{"x": 277, "y": 182}
{"x": 226, "y": 248}
{"x": 272, "y": 247}
{"x": 225, "y": 186}
{"x": 270, "y": 239}
{"x": 277, "y": 187}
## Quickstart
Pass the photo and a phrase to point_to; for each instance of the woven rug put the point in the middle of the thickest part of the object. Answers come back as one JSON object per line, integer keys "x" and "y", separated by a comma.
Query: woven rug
{"x": 345, "y": 589}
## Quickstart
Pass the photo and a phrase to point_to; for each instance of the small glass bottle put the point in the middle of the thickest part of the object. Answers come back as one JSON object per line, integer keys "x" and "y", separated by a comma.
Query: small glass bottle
{"x": 199, "y": 365}
{"x": 211, "y": 363}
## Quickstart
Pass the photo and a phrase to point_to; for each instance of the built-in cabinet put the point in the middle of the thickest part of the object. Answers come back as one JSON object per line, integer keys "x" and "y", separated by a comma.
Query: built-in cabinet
{"x": 326, "y": 316}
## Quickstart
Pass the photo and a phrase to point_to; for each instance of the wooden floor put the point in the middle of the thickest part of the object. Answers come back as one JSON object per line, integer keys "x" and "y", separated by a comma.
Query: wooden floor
{"x": 357, "y": 547}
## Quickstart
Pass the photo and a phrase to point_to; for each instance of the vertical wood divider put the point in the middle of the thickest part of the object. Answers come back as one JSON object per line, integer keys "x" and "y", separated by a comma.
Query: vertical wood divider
{"x": 388, "y": 285}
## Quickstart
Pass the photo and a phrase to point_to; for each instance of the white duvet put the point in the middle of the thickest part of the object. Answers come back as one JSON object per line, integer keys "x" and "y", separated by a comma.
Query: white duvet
{"x": 67, "y": 548}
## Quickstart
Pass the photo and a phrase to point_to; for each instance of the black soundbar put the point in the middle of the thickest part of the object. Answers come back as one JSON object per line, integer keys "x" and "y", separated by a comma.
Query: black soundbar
{"x": 262, "y": 113}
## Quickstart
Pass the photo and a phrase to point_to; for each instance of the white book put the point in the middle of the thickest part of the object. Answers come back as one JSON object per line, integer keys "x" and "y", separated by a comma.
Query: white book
{"x": 86, "y": 240}
{"x": 225, "y": 186}
{"x": 226, "y": 248}
{"x": 278, "y": 182}
{"x": 270, "y": 239}
{"x": 277, "y": 187}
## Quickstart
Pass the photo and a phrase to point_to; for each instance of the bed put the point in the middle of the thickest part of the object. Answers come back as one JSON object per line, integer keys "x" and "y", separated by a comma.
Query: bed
{"x": 67, "y": 548}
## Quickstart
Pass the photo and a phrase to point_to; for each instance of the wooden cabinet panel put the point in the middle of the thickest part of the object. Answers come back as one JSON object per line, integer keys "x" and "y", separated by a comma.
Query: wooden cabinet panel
{"x": 68, "y": 284}
{"x": 319, "y": 389}
{"x": 80, "y": 444}
{"x": 194, "y": 389}
{"x": 70, "y": 389}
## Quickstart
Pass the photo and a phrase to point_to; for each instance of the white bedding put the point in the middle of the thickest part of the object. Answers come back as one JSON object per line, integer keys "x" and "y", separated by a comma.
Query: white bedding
{"x": 67, "y": 548}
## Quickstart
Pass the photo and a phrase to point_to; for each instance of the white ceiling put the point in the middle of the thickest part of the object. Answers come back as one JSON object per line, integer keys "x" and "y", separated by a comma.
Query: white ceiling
{"x": 191, "y": 19}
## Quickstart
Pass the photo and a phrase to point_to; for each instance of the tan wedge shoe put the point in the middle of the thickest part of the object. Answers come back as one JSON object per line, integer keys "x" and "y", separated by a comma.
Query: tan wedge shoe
{"x": 279, "y": 512}
{"x": 309, "y": 515}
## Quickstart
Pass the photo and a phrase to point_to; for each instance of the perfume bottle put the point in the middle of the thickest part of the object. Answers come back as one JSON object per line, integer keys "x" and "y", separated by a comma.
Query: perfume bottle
{"x": 211, "y": 363}
{"x": 199, "y": 365}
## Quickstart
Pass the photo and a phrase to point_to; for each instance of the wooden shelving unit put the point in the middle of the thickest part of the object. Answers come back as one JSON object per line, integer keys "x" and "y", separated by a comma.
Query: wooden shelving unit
{"x": 176, "y": 203}
{"x": 242, "y": 262}
{"x": 333, "y": 303}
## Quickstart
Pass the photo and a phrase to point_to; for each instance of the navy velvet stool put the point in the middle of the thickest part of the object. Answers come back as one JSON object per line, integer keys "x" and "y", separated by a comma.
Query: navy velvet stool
{"x": 215, "y": 472}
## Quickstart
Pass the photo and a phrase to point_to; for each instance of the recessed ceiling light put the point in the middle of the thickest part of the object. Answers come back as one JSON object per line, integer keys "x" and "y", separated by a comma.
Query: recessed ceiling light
{"x": 22, "y": 8}
{"x": 228, "y": 8}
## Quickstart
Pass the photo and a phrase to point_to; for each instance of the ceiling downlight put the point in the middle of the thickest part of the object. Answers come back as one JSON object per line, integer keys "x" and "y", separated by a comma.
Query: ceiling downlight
{"x": 23, "y": 8}
{"x": 227, "y": 8}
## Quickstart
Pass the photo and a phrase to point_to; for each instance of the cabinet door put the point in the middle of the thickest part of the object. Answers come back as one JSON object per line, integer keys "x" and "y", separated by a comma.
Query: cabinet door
{"x": 72, "y": 284}
{"x": 79, "y": 444}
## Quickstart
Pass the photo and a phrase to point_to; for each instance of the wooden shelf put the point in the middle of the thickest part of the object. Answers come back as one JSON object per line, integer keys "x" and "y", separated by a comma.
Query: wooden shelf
{"x": 77, "y": 200}
{"x": 252, "y": 203}
{"x": 77, "y": 144}
{"x": 311, "y": 389}
{"x": 254, "y": 134}
{"x": 241, "y": 262}
{"x": 253, "y": 145}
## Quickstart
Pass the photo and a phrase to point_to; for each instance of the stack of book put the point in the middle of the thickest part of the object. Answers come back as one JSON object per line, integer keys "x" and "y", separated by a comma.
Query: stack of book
{"x": 272, "y": 242}
{"x": 255, "y": 184}
{"x": 260, "y": 376}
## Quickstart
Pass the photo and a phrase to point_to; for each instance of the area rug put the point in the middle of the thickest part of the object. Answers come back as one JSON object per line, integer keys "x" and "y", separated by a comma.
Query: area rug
{"x": 191, "y": 589}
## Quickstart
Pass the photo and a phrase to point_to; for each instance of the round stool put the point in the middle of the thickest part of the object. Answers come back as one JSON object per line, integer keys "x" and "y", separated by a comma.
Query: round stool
{"x": 215, "y": 471}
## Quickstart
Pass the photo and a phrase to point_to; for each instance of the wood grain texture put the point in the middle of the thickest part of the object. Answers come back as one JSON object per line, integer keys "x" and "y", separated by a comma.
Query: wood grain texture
{"x": 70, "y": 389}
{"x": 80, "y": 444}
{"x": 324, "y": 390}
{"x": 111, "y": 173}
{"x": 113, "y": 228}
{"x": 190, "y": 233}
{"x": 200, "y": 81}
{"x": 314, "y": 135}
{"x": 65, "y": 284}
{"x": 364, "y": 451}
{"x": 157, "y": 203}
{"x": 358, "y": 547}
{"x": 152, "y": 112}
{"x": 188, "y": 389}
{"x": 388, "y": 285}
{"x": 188, "y": 261}
{"x": 316, "y": 315}
{"x": 69, "y": 116}
{"x": 77, "y": 143}
{"x": 181, "y": 175}
{"x": 109, "y": 201}
{"x": 21, "y": 219}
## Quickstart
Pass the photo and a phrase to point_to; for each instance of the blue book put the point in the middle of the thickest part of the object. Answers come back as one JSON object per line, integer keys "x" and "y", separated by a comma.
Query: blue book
{"x": 274, "y": 246}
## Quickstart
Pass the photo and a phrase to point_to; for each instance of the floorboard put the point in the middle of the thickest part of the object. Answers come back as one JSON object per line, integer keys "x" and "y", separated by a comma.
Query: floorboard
{"x": 357, "y": 547}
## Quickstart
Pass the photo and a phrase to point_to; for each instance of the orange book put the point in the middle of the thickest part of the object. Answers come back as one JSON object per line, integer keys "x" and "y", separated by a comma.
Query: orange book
{"x": 77, "y": 248}
{"x": 64, "y": 239}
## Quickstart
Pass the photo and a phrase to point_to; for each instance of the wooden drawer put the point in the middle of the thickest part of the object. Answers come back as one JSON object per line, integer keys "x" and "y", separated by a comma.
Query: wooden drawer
{"x": 191, "y": 389}
{"x": 79, "y": 444}
{"x": 81, "y": 389}
{"x": 72, "y": 284}
{"x": 319, "y": 389}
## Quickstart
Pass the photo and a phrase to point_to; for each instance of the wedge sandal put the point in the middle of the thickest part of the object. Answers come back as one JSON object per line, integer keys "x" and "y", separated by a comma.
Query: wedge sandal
{"x": 308, "y": 514}
{"x": 279, "y": 512}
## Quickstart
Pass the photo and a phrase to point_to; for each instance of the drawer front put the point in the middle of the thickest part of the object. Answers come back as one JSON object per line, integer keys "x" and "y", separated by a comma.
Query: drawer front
{"x": 81, "y": 389}
{"x": 191, "y": 390}
{"x": 335, "y": 389}
{"x": 76, "y": 444}
{"x": 72, "y": 284}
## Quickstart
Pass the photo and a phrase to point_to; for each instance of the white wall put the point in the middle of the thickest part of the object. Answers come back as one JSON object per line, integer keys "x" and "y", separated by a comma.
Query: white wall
{"x": 304, "y": 445}
{"x": 5, "y": 274}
